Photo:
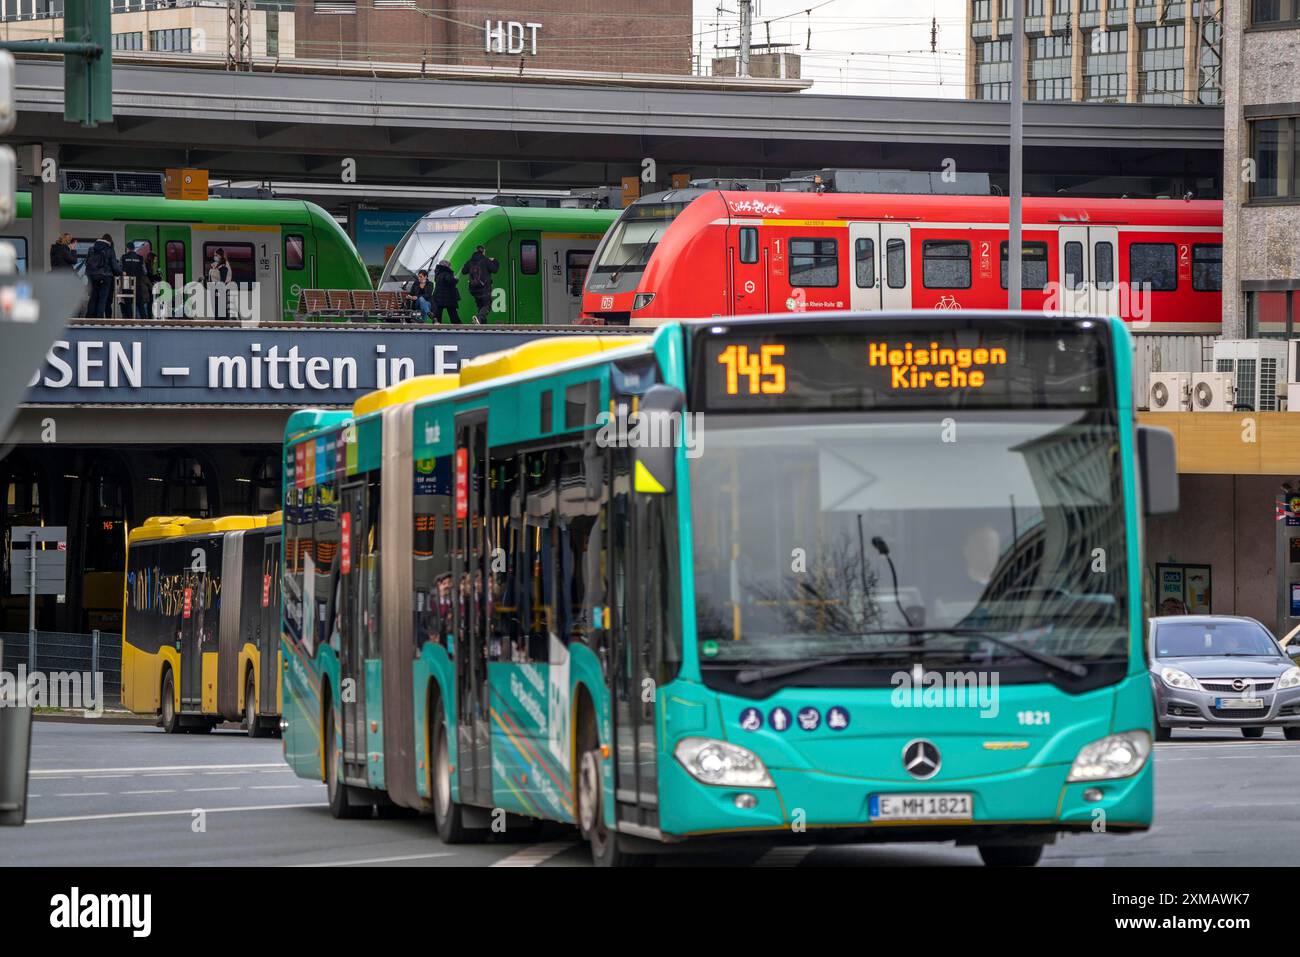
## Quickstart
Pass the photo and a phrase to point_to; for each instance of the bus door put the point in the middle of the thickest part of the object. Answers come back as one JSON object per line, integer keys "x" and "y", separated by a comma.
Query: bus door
{"x": 269, "y": 643}
{"x": 865, "y": 253}
{"x": 1088, "y": 258}
{"x": 469, "y": 557}
{"x": 191, "y": 627}
{"x": 747, "y": 270}
{"x": 895, "y": 266}
{"x": 352, "y": 620}
{"x": 633, "y": 593}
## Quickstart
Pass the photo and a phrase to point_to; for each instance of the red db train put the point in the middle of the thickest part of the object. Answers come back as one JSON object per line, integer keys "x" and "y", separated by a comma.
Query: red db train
{"x": 1157, "y": 263}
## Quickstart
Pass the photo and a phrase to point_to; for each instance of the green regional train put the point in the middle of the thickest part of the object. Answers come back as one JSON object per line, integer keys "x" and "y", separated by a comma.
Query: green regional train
{"x": 543, "y": 252}
{"x": 285, "y": 246}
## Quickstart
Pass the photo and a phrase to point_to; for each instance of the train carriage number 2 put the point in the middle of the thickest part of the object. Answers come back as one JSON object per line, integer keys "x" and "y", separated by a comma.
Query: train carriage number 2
{"x": 765, "y": 374}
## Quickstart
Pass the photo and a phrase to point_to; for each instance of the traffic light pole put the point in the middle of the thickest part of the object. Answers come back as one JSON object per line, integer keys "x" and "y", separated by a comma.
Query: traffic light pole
{"x": 1015, "y": 233}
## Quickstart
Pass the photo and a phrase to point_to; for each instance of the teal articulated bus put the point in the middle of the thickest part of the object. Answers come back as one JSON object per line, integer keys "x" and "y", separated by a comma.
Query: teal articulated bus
{"x": 833, "y": 578}
{"x": 284, "y": 246}
{"x": 543, "y": 254}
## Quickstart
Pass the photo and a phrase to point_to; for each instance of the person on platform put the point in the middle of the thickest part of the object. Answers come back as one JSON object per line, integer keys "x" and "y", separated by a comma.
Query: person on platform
{"x": 446, "y": 295}
{"x": 133, "y": 265}
{"x": 480, "y": 268}
{"x": 420, "y": 294}
{"x": 102, "y": 268}
{"x": 144, "y": 293}
{"x": 63, "y": 253}
{"x": 219, "y": 270}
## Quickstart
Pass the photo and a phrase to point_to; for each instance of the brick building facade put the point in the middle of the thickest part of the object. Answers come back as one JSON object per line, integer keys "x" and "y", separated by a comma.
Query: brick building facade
{"x": 623, "y": 36}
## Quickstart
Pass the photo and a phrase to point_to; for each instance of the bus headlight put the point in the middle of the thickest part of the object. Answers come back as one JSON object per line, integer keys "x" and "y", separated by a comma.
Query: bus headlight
{"x": 641, "y": 300}
{"x": 717, "y": 762}
{"x": 1115, "y": 756}
{"x": 1178, "y": 679}
{"x": 1290, "y": 679}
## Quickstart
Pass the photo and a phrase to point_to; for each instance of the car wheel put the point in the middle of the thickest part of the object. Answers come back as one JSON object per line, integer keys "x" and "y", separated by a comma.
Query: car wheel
{"x": 1292, "y": 732}
{"x": 1252, "y": 732}
{"x": 1163, "y": 733}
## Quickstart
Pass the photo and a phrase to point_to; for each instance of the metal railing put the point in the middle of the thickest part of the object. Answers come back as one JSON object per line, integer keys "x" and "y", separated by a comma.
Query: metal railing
{"x": 60, "y": 653}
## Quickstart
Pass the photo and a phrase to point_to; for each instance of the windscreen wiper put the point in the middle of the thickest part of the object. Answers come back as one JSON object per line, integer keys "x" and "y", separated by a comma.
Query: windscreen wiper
{"x": 752, "y": 675}
{"x": 613, "y": 277}
{"x": 1042, "y": 657}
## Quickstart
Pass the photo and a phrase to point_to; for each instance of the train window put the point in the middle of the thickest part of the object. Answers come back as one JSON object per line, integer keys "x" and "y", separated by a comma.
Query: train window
{"x": 945, "y": 264}
{"x": 864, "y": 263}
{"x": 1103, "y": 265}
{"x": 528, "y": 257}
{"x": 749, "y": 244}
{"x": 20, "y": 251}
{"x": 814, "y": 263}
{"x": 295, "y": 251}
{"x": 576, "y": 262}
{"x": 1207, "y": 268}
{"x": 1073, "y": 265}
{"x": 1154, "y": 263}
{"x": 896, "y": 263}
{"x": 238, "y": 255}
{"x": 1033, "y": 265}
{"x": 174, "y": 253}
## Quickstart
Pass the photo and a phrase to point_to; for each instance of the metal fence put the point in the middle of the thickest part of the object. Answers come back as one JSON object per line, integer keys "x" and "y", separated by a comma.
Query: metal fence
{"x": 66, "y": 653}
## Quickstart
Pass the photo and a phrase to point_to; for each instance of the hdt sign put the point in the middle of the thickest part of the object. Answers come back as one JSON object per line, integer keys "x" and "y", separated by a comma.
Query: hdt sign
{"x": 508, "y": 36}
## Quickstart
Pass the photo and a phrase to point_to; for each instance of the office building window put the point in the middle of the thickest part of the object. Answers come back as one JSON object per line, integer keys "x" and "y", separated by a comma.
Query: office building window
{"x": 128, "y": 41}
{"x": 1033, "y": 8}
{"x": 1049, "y": 67}
{"x": 1105, "y": 65}
{"x": 1273, "y": 149}
{"x": 982, "y": 10}
{"x": 1274, "y": 11}
{"x": 1209, "y": 88}
{"x": 993, "y": 70}
{"x": 1160, "y": 66}
{"x": 170, "y": 41}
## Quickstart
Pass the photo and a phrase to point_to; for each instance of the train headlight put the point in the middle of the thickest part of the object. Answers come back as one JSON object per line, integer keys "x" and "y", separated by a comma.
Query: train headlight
{"x": 1114, "y": 756}
{"x": 641, "y": 300}
{"x": 1178, "y": 679}
{"x": 1290, "y": 679}
{"x": 717, "y": 762}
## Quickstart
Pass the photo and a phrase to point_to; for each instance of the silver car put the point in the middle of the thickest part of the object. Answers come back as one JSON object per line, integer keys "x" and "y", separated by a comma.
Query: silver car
{"x": 1217, "y": 670}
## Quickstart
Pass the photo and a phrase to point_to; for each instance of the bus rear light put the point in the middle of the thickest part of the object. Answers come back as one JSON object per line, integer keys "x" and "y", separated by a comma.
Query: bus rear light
{"x": 641, "y": 300}
{"x": 717, "y": 762}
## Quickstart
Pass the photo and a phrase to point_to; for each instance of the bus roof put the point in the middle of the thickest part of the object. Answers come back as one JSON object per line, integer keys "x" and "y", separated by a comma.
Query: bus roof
{"x": 182, "y": 526}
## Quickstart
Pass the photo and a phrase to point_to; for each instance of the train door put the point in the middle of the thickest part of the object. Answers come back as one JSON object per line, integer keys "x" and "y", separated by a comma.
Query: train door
{"x": 474, "y": 764}
{"x": 353, "y": 618}
{"x": 174, "y": 262}
{"x": 1088, "y": 258}
{"x": 566, "y": 259}
{"x": 748, "y": 271}
{"x": 253, "y": 257}
{"x": 895, "y": 266}
{"x": 864, "y": 247}
{"x": 292, "y": 275}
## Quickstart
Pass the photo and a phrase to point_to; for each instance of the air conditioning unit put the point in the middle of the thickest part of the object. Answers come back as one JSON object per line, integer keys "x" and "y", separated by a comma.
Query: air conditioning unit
{"x": 1258, "y": 368}
{"x": 1213, "y": 392}
{"x": 1169, "y": 391}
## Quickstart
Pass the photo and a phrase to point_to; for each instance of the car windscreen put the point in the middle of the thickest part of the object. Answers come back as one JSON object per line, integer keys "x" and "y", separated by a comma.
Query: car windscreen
{"x": 1194, "y": 639}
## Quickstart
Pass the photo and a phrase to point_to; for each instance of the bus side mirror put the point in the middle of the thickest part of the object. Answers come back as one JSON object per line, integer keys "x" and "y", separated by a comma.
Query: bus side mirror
{"x": 1158, "y": 468}
{"x": 654, "y": 454}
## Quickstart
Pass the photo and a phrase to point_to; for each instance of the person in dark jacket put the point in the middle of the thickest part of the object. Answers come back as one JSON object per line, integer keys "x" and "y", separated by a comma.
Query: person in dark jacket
{"x": 63, "y": 253}
{"x": 134, "y": 265}
{"x": 446, "y": 295}
{"x": 144, "y": 294}
{"x": 102, "y": 268}
{"x": 420, "y": 294}
{"x": 480, "y": 268}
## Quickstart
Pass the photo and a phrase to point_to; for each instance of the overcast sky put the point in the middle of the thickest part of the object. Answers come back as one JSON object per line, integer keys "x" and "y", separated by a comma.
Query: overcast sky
{"x": 862, "y": 47}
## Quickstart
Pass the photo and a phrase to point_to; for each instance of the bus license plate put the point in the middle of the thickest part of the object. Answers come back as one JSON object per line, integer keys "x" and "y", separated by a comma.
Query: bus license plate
{"x": 919, "y": 807}
{"x": 1242, "y": 704}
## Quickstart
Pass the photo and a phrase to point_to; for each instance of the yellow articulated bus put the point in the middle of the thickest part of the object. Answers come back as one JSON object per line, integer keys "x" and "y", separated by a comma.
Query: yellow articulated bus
{"x": 201, "y": 632}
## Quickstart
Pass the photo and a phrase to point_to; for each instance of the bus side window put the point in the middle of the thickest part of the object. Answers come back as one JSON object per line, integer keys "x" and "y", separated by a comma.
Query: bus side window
{"x": 749, "y": 244}
{"x": 896, "y": 263}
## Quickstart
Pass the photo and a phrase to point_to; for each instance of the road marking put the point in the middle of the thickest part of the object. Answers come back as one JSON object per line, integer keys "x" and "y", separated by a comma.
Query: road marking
{"x": 232, "y": 788}
{"x": 78, "y": 794}
{"x": 276, "y": 787}
{"x": 126, "y": 814}
{"x": 784, "y": 857}
{"x": 378, "y": 860}
{"x": 163, "y": 791}
{"x": 535, "y": 855}
{"x": 163, "y": 767}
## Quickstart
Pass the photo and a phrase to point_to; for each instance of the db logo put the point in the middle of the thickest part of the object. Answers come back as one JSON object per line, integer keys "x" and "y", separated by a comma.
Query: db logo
{"x": 607, "y": 302}
{"x": 749, "y": 285}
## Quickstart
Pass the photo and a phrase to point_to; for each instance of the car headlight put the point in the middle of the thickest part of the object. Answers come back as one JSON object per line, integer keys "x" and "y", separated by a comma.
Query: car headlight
{"x": 1114, "y": 756}
{"x": 1178, "y": 679}
{"x": 642, "y": 299}
{"x": 1290, "y": 679}
{"x": 717, "y": 762}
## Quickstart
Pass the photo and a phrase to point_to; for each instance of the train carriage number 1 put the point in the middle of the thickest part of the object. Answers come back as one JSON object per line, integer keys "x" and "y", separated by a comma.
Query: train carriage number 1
{"x": 765, "y": 374}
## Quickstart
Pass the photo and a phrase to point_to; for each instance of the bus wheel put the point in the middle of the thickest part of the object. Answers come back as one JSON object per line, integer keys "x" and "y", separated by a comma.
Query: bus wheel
{"x": 255, "y": 729}
{"x": 447, "y": 814}
{"x": 605, "y": 851}
{"x": 1014, "y": 855}
{"x": 335, "y": 786}
{"x": 171, "y": 722}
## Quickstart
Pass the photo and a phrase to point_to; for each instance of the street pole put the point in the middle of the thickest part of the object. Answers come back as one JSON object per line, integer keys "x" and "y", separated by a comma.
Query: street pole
{"x": 746, "y": 30}
{"x": 31, "y": 603}
{"x": 1014, "y": 244}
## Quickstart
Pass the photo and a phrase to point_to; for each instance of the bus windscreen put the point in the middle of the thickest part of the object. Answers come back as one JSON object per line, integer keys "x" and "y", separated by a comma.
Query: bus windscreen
{"x": 764, "y": 368}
